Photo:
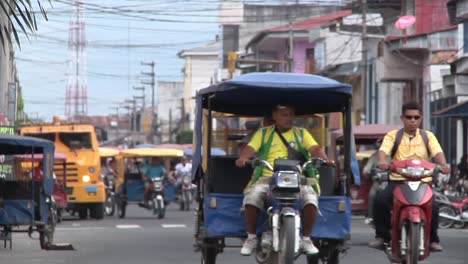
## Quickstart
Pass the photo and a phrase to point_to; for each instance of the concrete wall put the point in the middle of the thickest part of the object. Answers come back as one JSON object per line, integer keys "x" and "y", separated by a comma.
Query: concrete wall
{"x": 169, "y": 95}
{"x": 342, "y": 48}
{"x": 300, "y": 48}
{"x": 202, "y": 69}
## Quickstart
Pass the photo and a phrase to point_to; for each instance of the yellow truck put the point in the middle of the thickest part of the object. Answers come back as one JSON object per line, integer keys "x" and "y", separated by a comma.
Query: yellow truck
{"x": 84, "y": 185}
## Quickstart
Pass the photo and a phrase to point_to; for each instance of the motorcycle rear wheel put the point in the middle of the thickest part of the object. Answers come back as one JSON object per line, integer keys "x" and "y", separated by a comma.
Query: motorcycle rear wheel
{"x": 443, "y": 222}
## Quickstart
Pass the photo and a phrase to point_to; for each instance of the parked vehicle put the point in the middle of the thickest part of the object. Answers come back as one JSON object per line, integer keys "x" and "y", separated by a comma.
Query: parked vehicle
{"x": 220, "y": 183}
{"x": 412, "y": 212}
{"x": 453, "y": 211}
{"x": 130, "y": 185}
{"x": 26, "y": 189}
{"x": 85, "y": 188}
{"x": 365, "y": 138}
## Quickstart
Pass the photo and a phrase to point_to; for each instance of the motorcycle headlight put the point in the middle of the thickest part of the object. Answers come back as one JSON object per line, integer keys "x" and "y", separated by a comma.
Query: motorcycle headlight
{"x": 287, "y": 179}
{"x": 415, "y": 171}
{"x": 86, "y": 178}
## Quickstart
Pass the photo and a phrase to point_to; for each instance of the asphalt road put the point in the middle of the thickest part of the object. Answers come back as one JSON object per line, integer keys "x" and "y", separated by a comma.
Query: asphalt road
{"x": 141, "y": 238}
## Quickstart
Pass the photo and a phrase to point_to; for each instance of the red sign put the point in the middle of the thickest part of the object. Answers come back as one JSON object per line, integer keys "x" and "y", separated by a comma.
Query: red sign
{"x": 405, "y": 22}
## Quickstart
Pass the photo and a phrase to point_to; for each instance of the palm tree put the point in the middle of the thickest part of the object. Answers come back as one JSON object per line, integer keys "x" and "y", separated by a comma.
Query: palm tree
{"x": 15, "y": 15}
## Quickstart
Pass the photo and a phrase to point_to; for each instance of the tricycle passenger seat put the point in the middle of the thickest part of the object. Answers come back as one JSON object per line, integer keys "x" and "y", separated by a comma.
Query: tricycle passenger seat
{"x": 224, "y": 177}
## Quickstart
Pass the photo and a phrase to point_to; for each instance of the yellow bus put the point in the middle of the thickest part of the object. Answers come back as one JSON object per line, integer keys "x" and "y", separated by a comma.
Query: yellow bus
{"x": 85, "y": 187}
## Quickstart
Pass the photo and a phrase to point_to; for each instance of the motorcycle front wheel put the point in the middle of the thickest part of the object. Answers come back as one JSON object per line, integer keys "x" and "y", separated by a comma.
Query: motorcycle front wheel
{"x": 287, "y": 240}
{"x": 109, "y": 206}
{"x": 412, "y": 241}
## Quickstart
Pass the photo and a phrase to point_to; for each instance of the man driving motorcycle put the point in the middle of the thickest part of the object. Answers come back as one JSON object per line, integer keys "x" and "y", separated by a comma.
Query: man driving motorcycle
{"x": 413, "y": 144}
{"x": 154, "y": 170}
{"x": 255, "y": 193}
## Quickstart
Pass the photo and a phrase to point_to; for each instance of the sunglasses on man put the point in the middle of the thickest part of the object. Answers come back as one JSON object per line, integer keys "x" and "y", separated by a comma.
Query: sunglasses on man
{"x": 415, "y": 117}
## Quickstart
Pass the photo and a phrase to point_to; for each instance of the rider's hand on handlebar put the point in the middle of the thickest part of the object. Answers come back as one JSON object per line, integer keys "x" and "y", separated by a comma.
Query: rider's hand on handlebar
{"x": 445, "y": 169}
{"x": 240, "y": 162}
{"x": 330, "y": 163}
{"x": 383, "y": 165}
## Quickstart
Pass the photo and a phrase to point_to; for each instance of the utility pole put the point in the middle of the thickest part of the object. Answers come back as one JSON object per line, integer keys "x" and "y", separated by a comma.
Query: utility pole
{"x": 182, "y": 113}
{"x": 132, "y": 116}
{"x": 152, "y": 83}
{"x": 291, "y": 35}
{"x": 116, "y": 108}
{"x": 364, "y": 60}
{"x": 142, "y": 96}
{"x": 170, "y": 125}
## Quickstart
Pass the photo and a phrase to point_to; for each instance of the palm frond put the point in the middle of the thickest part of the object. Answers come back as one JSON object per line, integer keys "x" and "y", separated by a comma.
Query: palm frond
{"x": 19, "y": 13}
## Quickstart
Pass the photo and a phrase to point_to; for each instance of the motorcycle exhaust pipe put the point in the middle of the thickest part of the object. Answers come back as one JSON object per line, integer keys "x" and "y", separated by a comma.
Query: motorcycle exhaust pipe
{"x": 446, "y": 216}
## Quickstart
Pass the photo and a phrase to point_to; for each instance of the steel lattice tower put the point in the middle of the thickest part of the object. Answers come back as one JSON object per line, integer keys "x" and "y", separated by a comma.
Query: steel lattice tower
{"x": 76, "y": 97}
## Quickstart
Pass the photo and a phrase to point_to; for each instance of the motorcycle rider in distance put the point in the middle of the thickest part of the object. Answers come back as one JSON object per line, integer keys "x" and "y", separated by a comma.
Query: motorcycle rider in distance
{"x": 255, "y": 193}
{"x": 412, "y": 146}
{"x": 155, "y": 169}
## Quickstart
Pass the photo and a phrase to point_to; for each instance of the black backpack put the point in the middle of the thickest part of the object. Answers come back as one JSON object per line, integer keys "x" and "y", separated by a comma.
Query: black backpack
{"x": 399, "y": 136}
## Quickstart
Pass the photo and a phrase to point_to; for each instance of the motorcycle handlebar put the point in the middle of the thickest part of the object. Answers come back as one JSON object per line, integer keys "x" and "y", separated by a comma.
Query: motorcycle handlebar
{"x": 319, "y": 162}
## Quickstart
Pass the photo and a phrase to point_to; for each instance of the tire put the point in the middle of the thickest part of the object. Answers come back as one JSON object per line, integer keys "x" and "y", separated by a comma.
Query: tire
{"x": 97, "y": 211}
{"x": 209, "y": 256}
{"x": 59, "y": 215}
{"x": 109, "y": 206}
{"x": 314, "y": 259}
{"x": 83, "y": 213}
{"x": 334, "y": 257}
{"x": 187, "y": 200}
{"x": 412, "y": 241}
{"x": 160, "y": 208}
{"x": 443, "y": 222}
{"x": 287, "y": 239}
{"x": 46, "y": 235}
{"x": 121, "y": 210}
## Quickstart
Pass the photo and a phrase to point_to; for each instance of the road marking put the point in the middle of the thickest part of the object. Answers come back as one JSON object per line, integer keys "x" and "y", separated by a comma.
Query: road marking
{"x": 173, "y": 226}
{"x": 80, "y": 228}
{"x": 127, "y": 226}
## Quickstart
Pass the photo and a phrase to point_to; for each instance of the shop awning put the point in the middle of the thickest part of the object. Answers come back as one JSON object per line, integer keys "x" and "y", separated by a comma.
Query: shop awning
{"x": 459, "y": 110}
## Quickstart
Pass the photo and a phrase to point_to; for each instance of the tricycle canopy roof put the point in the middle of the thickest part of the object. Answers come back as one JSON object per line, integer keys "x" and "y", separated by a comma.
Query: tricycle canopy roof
{"x": 106, "y": 152}
{"x": 255, "y": 94}
{"x": 13, "y": 144}
{"x": 152, "y": 152}
{"x": 366, "y": 134}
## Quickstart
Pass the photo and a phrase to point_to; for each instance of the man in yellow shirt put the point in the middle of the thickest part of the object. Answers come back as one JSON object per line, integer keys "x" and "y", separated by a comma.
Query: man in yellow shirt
{"x": 413, "y": 145}
{"x": 255, "y": 194}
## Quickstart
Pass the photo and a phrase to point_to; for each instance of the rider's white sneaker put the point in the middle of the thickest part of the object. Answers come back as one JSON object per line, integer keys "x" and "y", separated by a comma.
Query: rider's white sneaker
{"x": 249, "y": 245}
{"x": 308, "y": 246}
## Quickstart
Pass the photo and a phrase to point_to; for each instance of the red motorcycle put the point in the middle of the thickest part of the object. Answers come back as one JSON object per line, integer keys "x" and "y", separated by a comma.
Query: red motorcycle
{"x": 412, "y": 211}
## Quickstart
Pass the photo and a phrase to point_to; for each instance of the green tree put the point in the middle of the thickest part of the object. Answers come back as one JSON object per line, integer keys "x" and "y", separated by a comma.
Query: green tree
{"x": 185, "y": 137}
{"x": 20, "y": 15}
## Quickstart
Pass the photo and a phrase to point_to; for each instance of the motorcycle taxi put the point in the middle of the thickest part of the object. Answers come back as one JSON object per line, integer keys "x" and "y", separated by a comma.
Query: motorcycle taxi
{"x": 130, "y": 185}
{"x": 27, "y": 190}
{"x": 220, "y": 184}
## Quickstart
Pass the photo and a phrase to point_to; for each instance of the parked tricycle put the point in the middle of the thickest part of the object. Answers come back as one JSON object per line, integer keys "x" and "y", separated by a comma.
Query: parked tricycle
{"x": 365, "y": 137}
{"x": 220, "y": 184}
{"x": 27, "y": 188}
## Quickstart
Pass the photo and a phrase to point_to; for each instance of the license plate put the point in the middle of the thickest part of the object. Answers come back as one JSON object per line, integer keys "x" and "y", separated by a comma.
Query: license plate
{"x": 91, "y": 188}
